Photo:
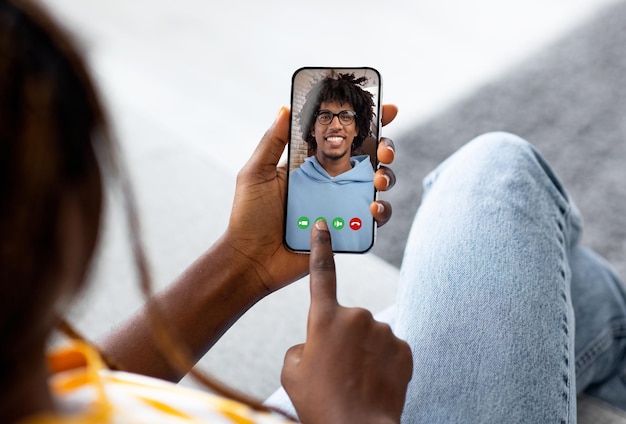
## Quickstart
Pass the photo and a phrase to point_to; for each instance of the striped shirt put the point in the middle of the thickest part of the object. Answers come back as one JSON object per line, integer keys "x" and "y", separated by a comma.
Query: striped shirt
{"x": 85, "y": 391}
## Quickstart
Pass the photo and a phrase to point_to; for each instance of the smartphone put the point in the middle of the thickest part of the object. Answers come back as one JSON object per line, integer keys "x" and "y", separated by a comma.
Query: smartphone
{"x": 334, "y": 133}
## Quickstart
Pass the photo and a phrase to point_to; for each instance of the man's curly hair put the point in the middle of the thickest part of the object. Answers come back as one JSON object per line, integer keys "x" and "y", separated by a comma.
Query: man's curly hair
{"x": 342, "y": 88}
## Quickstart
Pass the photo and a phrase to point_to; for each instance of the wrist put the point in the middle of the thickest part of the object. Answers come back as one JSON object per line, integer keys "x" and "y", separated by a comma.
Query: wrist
{"x": 244, "y": 269}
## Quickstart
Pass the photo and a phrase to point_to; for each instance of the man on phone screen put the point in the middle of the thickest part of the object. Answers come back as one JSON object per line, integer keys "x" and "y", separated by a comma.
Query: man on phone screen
{"x": 335, "y": 182}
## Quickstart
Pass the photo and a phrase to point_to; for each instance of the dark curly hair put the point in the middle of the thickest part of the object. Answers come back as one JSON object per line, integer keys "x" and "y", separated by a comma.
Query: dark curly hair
{"x": 342, "y": 88}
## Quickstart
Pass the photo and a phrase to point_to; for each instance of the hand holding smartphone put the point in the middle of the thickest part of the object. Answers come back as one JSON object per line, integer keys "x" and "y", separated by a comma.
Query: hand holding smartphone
{"x": 335, "y": 122}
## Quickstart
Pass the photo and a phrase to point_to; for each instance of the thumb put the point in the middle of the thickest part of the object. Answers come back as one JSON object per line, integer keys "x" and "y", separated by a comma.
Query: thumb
{"x": 271, "y": 147}
{"x": 293, "y": 355}
{"x": 291, "y": 362}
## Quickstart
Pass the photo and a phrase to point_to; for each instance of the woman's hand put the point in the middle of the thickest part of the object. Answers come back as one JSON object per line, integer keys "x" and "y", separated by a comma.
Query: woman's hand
{"x": 255, "y": 231}
{"x": 352, "y": 369}
{"x": 248, "y": 262}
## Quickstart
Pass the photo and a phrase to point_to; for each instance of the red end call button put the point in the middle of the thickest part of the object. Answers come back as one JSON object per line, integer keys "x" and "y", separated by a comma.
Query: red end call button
{"x": 355, "y": 224}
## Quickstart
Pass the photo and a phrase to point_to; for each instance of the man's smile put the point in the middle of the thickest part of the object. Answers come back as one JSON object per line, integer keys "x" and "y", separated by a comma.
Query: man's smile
{"x": 334, "y": 140}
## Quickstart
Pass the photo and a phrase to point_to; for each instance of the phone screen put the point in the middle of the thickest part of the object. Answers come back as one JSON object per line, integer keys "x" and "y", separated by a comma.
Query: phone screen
{"x": 335, "y": 123}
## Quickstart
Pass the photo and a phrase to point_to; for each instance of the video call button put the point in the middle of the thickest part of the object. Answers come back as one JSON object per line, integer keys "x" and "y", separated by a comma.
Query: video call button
{"x": 304, "y": 222}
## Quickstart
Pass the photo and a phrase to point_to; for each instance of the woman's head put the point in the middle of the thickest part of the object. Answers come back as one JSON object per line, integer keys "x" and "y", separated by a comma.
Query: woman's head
{"x": 51, "y": 125}
{"x": 54, "y": 144}
{"x": 344, "y": 89}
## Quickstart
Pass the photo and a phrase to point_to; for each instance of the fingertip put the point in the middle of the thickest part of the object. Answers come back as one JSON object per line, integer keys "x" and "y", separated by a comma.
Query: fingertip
{"x": 377, "y": 208}
{"x": 272, "y": 144}
{"x": 281, "y": 124}
{"x": 390, "y": 111}
{"x": 282, "y": 112}
{"x": 386, "y": 151}
{"x": 320, "y": 236}
{"x": 382, "y": 181}
{"x": 381, "y": 211}
{"x": 321, "y": 225}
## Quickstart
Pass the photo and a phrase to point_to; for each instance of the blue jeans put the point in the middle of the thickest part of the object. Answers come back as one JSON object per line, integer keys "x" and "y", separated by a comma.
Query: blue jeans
{"x": 508, "y": 317}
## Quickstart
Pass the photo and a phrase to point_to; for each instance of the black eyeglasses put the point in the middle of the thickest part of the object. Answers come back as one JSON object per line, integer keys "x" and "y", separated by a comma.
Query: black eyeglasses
{"x": 325, "y": 117}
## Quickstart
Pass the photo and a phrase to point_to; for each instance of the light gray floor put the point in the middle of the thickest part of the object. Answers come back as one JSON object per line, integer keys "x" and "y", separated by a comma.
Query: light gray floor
{"x": 192, "y": 85}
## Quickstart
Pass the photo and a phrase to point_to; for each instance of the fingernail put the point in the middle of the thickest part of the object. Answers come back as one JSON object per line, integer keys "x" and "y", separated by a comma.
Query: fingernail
{"x": 381, "y": 208}
{"x": 281, "y": 110}
{"x": 390, "y": 147}
{"x": 321, "y": 225}
{"x": 387, "y": 179}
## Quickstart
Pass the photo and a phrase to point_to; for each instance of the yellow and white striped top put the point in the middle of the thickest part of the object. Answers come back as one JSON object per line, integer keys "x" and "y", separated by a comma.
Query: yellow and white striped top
{"x": 87, "y": 392}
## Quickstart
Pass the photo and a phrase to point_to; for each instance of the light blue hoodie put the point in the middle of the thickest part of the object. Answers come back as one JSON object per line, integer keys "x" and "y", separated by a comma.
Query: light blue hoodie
{"x": 342, "y": 200}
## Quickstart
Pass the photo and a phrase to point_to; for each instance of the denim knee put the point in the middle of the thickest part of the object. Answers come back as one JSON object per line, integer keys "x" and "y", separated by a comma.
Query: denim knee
{"x": 513, "y": 148}
{"x": 504, "y": 163}
{"x": 495, "y": 154}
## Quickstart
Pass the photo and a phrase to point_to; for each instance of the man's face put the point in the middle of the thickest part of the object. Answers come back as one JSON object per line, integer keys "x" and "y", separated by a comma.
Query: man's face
{"x": 334, "y": 141}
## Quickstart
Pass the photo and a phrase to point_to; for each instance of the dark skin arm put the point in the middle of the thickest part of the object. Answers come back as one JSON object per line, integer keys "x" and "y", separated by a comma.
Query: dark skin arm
{"x": 246, "y": 264}
{"x": 355, "y": 369}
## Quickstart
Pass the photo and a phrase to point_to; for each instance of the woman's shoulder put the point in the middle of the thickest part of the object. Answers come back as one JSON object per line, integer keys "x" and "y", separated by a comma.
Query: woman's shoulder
{"x": 86, "y": 391}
